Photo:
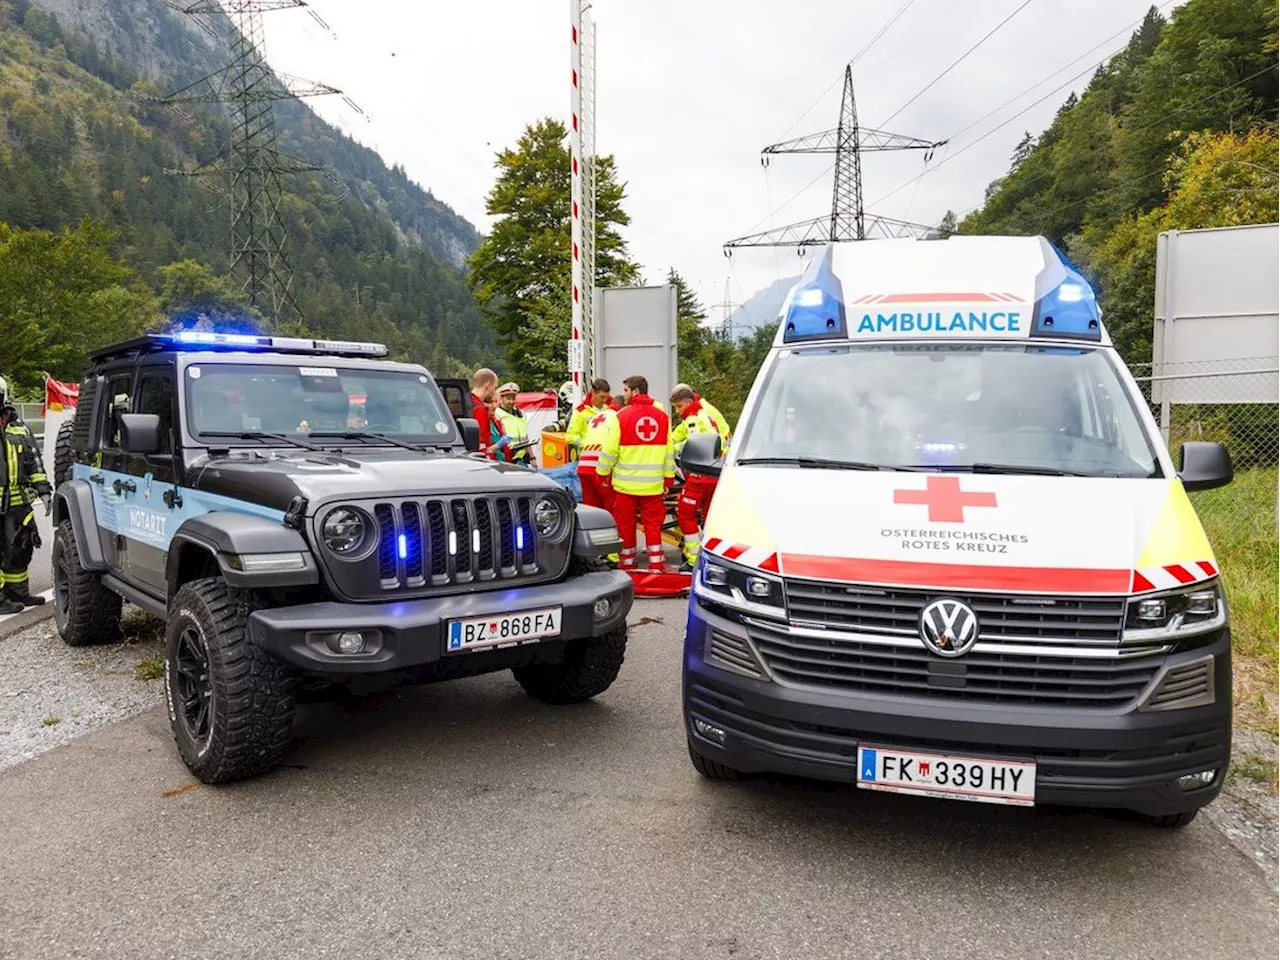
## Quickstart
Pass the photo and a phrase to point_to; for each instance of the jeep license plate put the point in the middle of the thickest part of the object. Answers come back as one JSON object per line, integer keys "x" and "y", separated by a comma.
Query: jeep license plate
{"x": 955, "y": 778}
{"x": 503, "y": 630}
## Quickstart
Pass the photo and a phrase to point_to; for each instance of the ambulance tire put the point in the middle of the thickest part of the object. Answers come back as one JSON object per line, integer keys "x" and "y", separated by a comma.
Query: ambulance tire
{"x": 85, "y": 612}
{"x": 709, "y": 768}
{"x": 231, "y": 704}
{"x": 1171, "y": 821}
{"x": 64, "y": 456}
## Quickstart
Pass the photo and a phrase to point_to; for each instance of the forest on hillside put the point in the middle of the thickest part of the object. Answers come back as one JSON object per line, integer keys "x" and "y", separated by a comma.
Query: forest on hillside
{"x": 1178, "y": 131}
{"x": 98, "y": 241}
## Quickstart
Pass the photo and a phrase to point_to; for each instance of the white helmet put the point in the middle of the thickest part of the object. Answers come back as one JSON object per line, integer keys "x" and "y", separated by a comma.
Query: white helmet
{"x": 4, "y": 391}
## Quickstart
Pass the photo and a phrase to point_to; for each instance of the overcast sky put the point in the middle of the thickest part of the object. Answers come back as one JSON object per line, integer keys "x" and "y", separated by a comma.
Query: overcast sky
{"x": 689, "y": 92}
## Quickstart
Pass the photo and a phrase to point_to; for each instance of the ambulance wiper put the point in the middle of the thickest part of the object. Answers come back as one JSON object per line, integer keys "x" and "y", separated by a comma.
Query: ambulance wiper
{"x": 818, "y": 463}
{"x": 1021, "y": 468}
{"x": 259, "y": 435}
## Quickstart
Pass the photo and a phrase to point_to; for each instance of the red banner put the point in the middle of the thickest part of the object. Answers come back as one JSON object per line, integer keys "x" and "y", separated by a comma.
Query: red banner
{"x": 59, "y": 396}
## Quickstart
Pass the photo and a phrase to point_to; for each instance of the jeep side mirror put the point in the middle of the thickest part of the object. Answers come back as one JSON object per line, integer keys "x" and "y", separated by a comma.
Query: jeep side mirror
{"x": 701, "y": 455}
{"x": 470, "y": 433}
{"x": 1204, "y": 466}
{"x": 140, "y": 434}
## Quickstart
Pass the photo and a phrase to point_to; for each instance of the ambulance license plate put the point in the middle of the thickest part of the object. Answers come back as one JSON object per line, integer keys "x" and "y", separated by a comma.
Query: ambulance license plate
{"x": 503, "y": 630}
{"x": 954, "y": 778}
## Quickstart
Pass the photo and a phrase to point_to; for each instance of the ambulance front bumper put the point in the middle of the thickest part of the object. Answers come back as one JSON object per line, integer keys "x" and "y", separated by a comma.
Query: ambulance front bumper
{"x": 1156, "y": 762}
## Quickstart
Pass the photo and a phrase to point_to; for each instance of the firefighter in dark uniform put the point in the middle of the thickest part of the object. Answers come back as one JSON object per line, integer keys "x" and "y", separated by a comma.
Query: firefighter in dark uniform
{"x": 22, "y": 481}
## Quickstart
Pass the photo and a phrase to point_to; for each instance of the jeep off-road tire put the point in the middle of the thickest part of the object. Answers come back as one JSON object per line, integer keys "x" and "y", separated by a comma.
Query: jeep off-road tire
{"x": 247, "y": 695}
{"x": 84, "y": 611}
{"x": 709, "y": 768}
{"x": 64, "y": 456}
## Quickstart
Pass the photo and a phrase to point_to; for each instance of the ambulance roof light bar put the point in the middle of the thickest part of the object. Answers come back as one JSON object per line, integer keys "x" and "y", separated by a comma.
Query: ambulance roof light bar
{"x": 254, "y": 343}
{"x": 1066, "y": 307}
{"x": 814, "y": 310}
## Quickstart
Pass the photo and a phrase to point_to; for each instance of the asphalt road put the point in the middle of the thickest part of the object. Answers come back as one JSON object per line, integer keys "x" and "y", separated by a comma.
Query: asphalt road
{"x": 465, "y": 820}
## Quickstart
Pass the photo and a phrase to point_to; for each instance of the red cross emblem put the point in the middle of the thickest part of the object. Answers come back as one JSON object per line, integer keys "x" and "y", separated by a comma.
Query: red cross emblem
{"x": 647, "y": 429}
{"x": 944, "y": 498}
{"x": 599, "y": 419}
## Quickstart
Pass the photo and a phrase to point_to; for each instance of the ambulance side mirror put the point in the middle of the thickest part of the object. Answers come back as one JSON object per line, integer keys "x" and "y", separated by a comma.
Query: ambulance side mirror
{"x": 701, "y": 455}
{"x": 1204, "y": 466}
{"x": 140, "y": 434}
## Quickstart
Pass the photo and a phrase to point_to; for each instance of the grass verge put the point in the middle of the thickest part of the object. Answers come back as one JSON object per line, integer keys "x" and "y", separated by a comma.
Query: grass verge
{"x": 1240, "y": 520}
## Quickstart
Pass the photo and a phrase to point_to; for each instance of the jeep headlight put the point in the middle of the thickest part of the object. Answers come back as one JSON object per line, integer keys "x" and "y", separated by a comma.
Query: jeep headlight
{"x": 1175, "y": 613}
{"x": 349, "y": 533}
{"x": 548, "y": 519}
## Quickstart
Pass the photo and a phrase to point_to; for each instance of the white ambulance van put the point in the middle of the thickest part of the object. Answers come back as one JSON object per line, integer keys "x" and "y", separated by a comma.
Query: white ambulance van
{"x": 949, "y": 554}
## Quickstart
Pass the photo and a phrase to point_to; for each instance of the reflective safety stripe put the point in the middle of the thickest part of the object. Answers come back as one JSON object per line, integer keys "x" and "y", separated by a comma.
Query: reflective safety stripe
{"x": 17, "y": 577}
{"x": 29, "y": 517}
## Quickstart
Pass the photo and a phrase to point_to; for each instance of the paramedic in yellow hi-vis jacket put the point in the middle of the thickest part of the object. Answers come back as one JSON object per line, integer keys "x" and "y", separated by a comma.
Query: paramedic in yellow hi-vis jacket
{"x": 598, "y": 399}
{"x": 695, "y": 415}
{"x": 636, "y": 451}
{"x": 22, "y": 481}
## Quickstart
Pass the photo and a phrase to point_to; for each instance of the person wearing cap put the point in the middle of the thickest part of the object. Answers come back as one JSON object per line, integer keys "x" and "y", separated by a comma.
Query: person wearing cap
{"x": 515, "y": 429}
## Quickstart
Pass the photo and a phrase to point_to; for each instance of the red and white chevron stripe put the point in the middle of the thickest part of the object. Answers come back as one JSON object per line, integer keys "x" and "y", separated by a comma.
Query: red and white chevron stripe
{"x": 741, "y": 553}
{"x": 1174, "y": 575}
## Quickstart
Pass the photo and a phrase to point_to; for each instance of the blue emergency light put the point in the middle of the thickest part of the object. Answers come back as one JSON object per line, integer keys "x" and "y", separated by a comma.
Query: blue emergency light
{"x": 1068, "y": 309}
{"x": 251, "y": 342}
{"x": 815, "y": 309}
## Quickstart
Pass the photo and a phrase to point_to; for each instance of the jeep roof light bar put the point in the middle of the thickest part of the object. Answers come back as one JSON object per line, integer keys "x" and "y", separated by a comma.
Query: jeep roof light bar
{"x": 205, "y": 340}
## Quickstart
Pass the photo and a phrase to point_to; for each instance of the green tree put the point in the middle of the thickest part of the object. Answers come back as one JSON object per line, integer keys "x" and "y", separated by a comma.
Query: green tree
{"x": 63, "y": 295}
{"x": 521, "y": 272}
{"x": 947, "y": 225}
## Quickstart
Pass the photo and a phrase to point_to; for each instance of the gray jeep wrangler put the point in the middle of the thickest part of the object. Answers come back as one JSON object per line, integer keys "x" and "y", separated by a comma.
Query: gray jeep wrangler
{"x": 303, "y": 514}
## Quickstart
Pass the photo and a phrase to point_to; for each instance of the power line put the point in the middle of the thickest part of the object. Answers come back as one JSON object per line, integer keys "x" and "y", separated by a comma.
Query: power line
{"x": 987, "y": 116}
{"x": 856, "y": 57}
{"x": 959, "y": 60}
{"x": 1000, "y": 126}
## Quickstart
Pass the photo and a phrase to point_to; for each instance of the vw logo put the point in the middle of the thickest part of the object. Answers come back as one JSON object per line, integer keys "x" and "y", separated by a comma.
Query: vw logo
{"x": 949, "y": 628}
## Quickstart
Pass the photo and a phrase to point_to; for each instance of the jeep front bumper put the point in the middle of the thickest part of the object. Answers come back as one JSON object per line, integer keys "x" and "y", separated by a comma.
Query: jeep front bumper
{"x": 412, "y": 633}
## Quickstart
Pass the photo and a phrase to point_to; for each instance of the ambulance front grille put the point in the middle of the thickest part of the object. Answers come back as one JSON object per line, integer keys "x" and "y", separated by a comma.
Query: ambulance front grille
{"x": 1077, "y": 621}
{"x": 846, "y": 663}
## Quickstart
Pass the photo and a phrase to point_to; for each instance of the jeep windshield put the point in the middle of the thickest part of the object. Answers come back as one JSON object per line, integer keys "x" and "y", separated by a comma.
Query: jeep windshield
{"x": 989, "y": 408}
{"x": 247, "y": 401}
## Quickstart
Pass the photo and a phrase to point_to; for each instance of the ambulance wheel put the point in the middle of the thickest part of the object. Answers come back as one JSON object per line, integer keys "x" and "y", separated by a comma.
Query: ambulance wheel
{"x": 84, "y": 611}
{"x": 230, "y": 703}
{"x": 709, "y": 768}
{"x": 589, "y": 667}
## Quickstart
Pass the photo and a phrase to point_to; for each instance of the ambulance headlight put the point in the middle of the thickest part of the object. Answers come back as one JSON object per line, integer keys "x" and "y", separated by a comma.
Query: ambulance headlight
{"x": 738, "y": 588}
{"x": 1199, "y": 608}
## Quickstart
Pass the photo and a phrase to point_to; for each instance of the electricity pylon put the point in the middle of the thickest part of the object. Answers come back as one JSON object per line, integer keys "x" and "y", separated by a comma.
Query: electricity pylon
{"x": 252, "y": 163}
{"x": 848, "y": 220}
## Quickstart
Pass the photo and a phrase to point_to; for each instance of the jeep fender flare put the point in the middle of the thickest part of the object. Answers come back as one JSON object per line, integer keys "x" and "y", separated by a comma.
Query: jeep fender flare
{"x": 227, "y": 537}
{"x": 595, "y": 533}
{"x": 73, "y": 501}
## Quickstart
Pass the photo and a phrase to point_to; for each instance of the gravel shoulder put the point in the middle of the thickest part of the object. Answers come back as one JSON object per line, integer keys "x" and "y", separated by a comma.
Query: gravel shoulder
{"x": 50, "y": 693}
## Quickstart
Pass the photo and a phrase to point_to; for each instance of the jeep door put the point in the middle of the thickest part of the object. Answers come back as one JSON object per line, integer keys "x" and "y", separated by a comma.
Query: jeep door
{"x": 154, "y": 506}
{"x": 110, "y": 490}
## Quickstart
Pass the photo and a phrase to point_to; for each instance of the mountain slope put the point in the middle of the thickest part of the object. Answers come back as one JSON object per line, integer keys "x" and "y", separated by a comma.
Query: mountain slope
{"x": 166, "y": 51}
{"x": 76, "y": 142}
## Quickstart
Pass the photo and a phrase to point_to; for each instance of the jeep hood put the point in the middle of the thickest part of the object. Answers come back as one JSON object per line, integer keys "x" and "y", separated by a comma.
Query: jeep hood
{"x": 961, "y": 530}
{"x": 272, "y": 478}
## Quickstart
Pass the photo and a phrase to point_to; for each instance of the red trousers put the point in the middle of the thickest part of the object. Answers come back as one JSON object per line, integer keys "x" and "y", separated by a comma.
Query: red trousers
{"x": 597, "y": 491}
{"x": 695, "y": 499}
{"x": 652, "y": 511}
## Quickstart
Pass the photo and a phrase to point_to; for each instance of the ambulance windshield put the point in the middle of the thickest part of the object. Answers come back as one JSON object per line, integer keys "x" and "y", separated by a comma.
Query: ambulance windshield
{"x": 1000, "y": 408}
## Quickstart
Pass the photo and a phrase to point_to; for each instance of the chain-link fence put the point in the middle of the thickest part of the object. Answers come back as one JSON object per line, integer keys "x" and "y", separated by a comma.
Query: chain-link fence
{"x": 1233, "y": 402}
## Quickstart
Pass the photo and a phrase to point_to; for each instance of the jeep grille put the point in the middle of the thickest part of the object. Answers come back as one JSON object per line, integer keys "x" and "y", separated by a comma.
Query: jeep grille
{"x": 482, "y": 532}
